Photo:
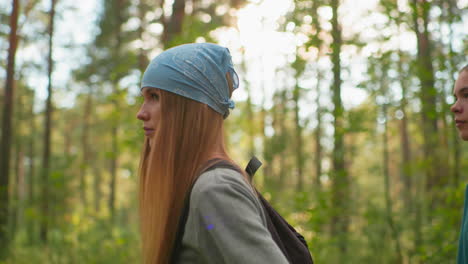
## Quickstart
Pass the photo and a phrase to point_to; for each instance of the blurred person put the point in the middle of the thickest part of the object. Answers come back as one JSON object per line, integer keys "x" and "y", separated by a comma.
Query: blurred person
{"x": 460, "y": 111}
{"x": 186, "y": 94}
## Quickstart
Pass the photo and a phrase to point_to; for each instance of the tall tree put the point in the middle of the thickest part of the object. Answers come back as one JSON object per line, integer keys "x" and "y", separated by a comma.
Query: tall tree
{"x": 31, "y": 182}
{"x": 299, "y": 66}
{"x": 384, "y": 86}
{"x": 318, "y": 133}
{"x": 142, "y": 55}
{"x": 428, "y": 96}
{"x": 307, "y": 24}
{"x": 451, "y": 9}
{"x": 97, "y": 187}
{"x": 447, "y": 62}
{"x": 406, "y": 157}
{"x": 18, "y": 184}
{"x": 317, "y": 42}
{"x": 408, "y": 174}
{"x": 5, "y": 144}
{"x": 44, "y": 227}
{"x": 340, "y": 181}
{"x": 118, "y": 41}
{"x": 284, "y": 134}
{"x": 187, "y": 20}
{"x": 113, "y": 61}
{"x": 249, "y": 111}
{"x": 86, "y": 158}
{"x": 173, "y": 25}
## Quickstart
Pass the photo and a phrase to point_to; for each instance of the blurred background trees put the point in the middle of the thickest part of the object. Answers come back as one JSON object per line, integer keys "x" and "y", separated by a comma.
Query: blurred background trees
{"x": 346, "y": 102}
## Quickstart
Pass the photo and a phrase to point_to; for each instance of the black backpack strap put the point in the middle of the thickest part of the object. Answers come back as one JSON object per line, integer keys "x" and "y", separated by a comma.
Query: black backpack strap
{"x": 252, "y": 167}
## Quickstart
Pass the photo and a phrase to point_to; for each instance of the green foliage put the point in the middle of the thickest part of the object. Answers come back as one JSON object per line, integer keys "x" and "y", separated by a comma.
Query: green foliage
{"x": 81, "y": 240}
{"x": 361, "y": 119}
{"x": 83, "y": 232}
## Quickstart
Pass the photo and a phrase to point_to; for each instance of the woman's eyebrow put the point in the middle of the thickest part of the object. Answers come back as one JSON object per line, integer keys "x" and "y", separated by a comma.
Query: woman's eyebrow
{"x": 144, "y": 90}
{"x": 148, "y": 89}
{"x": 462, "y": 90}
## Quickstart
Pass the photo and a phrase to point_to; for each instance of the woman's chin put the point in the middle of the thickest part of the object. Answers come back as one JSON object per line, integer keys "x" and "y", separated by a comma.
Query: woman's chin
{"x": 463, "y": 134}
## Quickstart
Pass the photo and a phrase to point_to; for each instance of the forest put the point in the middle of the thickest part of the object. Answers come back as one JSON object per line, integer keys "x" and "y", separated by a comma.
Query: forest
{"x": 346, "y": 103}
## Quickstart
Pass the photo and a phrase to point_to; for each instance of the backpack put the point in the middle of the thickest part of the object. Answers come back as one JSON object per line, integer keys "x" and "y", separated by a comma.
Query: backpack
{"x": 290, "y": 242}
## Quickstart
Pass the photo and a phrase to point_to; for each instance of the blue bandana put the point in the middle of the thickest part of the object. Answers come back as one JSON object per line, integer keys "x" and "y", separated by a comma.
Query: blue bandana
{"x": 196, "y": 71}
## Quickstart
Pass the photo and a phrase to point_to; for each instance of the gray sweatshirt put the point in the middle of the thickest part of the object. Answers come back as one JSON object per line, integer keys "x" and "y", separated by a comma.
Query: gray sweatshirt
{"x": 226, "y": 223}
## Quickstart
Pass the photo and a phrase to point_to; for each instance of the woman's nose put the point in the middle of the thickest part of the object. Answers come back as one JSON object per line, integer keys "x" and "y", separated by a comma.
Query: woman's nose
{"x": 455, "y": 108}
{"x": 142, "y": 115}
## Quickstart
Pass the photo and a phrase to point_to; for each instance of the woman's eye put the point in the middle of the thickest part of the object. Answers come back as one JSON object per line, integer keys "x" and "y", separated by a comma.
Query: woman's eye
{"x": 465, "y": 95}
{"x": 154, "y": 96}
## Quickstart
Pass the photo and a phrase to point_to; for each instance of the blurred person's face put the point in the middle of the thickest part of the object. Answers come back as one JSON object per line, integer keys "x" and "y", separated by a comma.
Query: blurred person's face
{"x": 460, "y": 107}
{"x": 150, "y": 110}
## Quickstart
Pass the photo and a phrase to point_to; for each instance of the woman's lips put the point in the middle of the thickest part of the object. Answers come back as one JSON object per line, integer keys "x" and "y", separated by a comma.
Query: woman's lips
{"x": 148, "y": 131}
{"x": 460, "y": 123}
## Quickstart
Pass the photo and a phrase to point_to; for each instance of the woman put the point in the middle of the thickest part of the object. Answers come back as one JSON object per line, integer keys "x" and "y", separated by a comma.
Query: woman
{"x": 186, "y": 93}
{"x": 460, "y": 110}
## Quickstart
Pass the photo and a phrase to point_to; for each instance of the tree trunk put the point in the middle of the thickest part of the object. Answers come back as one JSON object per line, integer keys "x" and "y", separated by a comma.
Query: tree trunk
{"x": 318, "y": 114}
{"x": 318, "y": 135}
{"x": 386, "y": 161}
{"x": 251, "y": 132}
{"x": 249, "y": 112}
{"x": 283, "y": 132}
{"x": 115, "y": 119}
{"x": 340, "y": 192}
{"x": 406, "y": 171}
{"x": 20, "y": 189}
{"x": 31, "y": 172}
{"x": 445, "y": 115}
{"x": 142, "y": 57}
{"x": 173, "y": 27}
{"x": 47, "y": 135}
{"x": 298, "y": 131}
{"x": 428, "y": 97}
{"x": 13, "y": 192}
{"x": 272, "y": 154}
{"x": 97, "y": 188}
{"x": 5, "y": 145}
{"x": 85, "y": 146}
{"x": 388, "y": 199}
{"x": 456, "y": 157}
{"x": 267, "y": 167}
{"x": 113, "y": 167}
{"x": 453, "y": 69}
{"x": 17, "y": 182}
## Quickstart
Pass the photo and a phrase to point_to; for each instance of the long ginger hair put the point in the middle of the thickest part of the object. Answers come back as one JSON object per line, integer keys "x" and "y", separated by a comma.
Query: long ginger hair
{"x": 188, "y": 135}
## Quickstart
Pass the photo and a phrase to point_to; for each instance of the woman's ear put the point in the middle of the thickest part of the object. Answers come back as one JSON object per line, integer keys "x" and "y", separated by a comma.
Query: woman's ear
{"x": 229, "y": 81}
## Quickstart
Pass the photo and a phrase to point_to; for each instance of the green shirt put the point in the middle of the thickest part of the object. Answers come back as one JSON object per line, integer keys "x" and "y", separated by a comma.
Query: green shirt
{"x": 226, "y": 223}
{"x": 463, "y": 243}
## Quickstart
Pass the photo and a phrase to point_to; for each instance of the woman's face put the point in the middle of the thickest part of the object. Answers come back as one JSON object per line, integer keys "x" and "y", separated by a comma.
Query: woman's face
{"x": 460, "y": 107}
{"x": 150, "y": 110}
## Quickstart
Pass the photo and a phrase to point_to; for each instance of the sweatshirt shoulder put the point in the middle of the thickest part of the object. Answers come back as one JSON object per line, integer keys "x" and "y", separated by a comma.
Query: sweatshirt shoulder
{"x": 219, "y": 179}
